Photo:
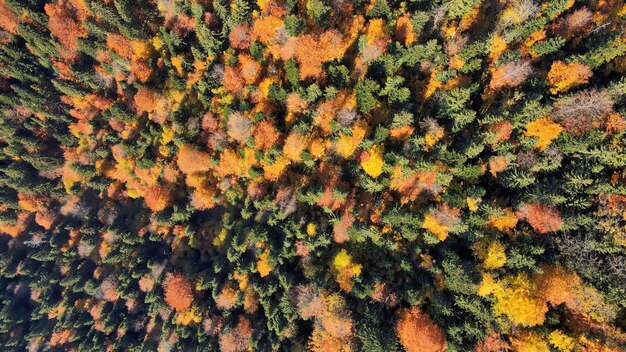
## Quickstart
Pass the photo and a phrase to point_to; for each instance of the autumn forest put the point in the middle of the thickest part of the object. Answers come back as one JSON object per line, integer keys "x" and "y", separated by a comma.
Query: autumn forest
{"x": 313, "y": 175}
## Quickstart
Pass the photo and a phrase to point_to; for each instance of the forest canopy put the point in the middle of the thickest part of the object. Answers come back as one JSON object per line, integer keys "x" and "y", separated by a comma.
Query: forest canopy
{"x": 313, "y": 175}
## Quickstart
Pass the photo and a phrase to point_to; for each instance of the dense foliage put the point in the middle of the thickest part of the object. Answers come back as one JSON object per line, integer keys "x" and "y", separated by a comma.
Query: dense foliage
{"x": 321, "y": 175}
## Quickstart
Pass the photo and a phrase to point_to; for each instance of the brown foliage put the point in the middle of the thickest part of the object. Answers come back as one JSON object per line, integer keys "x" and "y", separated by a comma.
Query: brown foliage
{"x": 418, "y": 333}
{"x": 178, "y": 291}
{"x": 239, "y": 36}
{"x": 492, "y": 343}
{"x": 578, "y": 21}
{"x": 581, "y": 112}
{"x": 510, "y": 74}
{"x": 227, "y": 298}
{"x": 237, "y": 339}
{"x": 239, "y": 127}
{"x": 45, "y": 218}
{"x": 158, "y": 197}
{"x": 542, "y": 218}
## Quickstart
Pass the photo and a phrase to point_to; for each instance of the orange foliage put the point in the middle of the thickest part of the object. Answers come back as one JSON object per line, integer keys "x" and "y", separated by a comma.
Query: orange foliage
{"x": 492, "y": 343}
{"x": 148, "y": 100}
{"x": 8, "y": 19}
{"x": 497, "y": 164}
{"x": 265, "y": 135}
{"x": 542, "y": 218}
{"x": 140, "y": 70}
{"x": 412, "y": 185}
{"x": 249, "y": 68}
{"x": 191, "y": 160}
{"x": 64, "y": 25}
{"x": 404, "y": 29}
{"x": 562, "y": 76}
{"x": 45, "y": 218}
{"x": 120, "y": 45}
{"x": 158, "y": 197}
{"x": 313, "y": 50}
{"x": 295, "y": 104}
{"x": 203, "y": 199}
{"x": 558, "y": 286}
{"x": 294, "y": 146}
{"x": 418, "y": 333}
{"x": 265, "y": 29}
{"x": 233, "y": 82}
{"x": 178, "y": 291}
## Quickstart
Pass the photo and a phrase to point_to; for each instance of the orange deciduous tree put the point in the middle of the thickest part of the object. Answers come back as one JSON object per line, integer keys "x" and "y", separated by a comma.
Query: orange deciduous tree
{"x": 178, "y": 291}
{"x": 8, "y": 20}
{"x": 542, "y": 218}
{"x": 158, "y": 197}
{"x": 64, "y": 25}
{"x": 265, "y": 135}
{"x": 418, "y": 333}
{"x": 191, "y": 160}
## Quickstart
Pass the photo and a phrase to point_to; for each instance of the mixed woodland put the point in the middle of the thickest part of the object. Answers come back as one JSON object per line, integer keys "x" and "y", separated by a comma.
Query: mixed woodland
{"x": 313, "y": 175}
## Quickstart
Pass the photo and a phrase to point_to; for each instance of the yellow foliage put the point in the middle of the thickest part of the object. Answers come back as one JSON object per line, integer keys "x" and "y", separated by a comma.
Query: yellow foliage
{"x": 375, "y": 30}
{"x": 498, "y": 46}
{"x": 518, "y": 299}
{"x": 317, "y": 147}
{"x": 433, "y": 137}
{"x": 433, "y": 85}
{"x": 564, "y": 76}
{"x": 219, "y": 239}
{"x": 535, "y": 37}
{"x": 529, "y": 342}
{"x": 141, "y": 49}
{"x": 347, "y": 144}
{"x": 373, "y": 166}
{"x": 188, "y": 317}
{"x": 311, "y": 229}
{"x": 561, "y": 341}
{"x": 495, "y": 256}
{"x": 505, "y": 222}
{"x": 342, "y": 260}
{"x": 545, "y": 130}
{"x": 432, "y": 224}
{"x": 168, "y": 134}
{"x": 263, "y": 265}
{"x": 272, "y": 172}
{"x": 488, "y": 285}
{"x": 177, "y": 62}
{"x": 472, "y": 203}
